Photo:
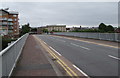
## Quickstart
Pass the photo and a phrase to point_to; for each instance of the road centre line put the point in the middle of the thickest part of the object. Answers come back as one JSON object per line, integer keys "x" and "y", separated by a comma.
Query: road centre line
{"x": 74, "y": 44}
{"x": 55, "y": 51}
{"x": 81, "y": 71}
{"x": 58, "y": 39}
{"x": 85, "y": 48}
{"x": 80, "y": 46}
{"x": 114, "y": 57}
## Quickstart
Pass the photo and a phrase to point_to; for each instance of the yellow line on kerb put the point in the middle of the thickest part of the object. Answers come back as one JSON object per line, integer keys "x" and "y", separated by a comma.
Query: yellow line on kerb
{"x": 69, "y": 71}
{"x": 60, "y": 64}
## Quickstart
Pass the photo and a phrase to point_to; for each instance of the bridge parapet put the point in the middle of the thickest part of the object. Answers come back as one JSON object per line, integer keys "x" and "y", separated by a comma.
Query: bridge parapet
{"x": 10, "y": 55}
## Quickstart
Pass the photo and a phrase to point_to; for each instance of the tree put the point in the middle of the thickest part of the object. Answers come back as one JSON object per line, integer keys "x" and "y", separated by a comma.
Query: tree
{"x": 102, "y": 27}
{"x": 33, "y": 29}
{"x": 25, "y": 29}
{"x": 110, "y": 28}
{"x": 45, "y": 30}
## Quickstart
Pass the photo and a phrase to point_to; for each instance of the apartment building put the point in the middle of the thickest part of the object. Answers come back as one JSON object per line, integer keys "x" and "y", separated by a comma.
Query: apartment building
{"x": 9, "y": 24}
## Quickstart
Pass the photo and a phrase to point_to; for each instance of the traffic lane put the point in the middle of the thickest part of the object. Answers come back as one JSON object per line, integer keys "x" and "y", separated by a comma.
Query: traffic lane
{"x": 92, "y": 64}
{"x": 91, "y": 40}
{"x": 104, "y": 49}
{"x": 96, "y": 51}
{"x": 111, "y": 53}
{"x": 101, "y": 43}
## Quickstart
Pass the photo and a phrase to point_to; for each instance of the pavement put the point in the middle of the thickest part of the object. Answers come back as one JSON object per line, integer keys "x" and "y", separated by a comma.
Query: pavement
{"x": 93, "y": 57}
{"x": 33, "y": 61}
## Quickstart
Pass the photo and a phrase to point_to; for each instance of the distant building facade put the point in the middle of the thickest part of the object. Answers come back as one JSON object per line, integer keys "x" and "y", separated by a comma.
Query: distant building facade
{"x": 59, "y": 28}
{"x": 53, "y": 28}
{"x": 40, "y": 29}
{"x": 9, "y": 24}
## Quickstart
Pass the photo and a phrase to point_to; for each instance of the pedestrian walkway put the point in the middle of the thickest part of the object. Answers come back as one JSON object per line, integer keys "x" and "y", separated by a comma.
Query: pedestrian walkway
{"x": 32, "y": 61}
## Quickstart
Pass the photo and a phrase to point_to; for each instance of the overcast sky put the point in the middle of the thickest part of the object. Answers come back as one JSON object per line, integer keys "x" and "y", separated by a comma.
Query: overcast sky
{"x": 69, "y": 13}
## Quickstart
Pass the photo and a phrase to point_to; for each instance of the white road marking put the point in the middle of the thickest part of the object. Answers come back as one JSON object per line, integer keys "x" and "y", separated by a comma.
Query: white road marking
{"x": 55, "y": 51}
{"x": 114, "y": 57}
{"x": 74, "y": 44}
{"x": 44, "y": 42}
{"x": 80, "y": 71}
{"x": 58, "y": 39}
{"x": 85, "y": 48}
{"x": 80, "y": 46}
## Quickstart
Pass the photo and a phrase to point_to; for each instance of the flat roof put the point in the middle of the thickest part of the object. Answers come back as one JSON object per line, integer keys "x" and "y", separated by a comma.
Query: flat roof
{"x": 4, "y": 10}
{"x": 10, "y": 12}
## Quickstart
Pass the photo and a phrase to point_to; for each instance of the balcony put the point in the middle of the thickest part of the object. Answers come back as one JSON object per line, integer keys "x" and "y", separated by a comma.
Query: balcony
{"x": 4, "y": 23}
{"x": 10, "y": 19}
{"x": 10, "y": 23}
{"x": 3, "y": 19}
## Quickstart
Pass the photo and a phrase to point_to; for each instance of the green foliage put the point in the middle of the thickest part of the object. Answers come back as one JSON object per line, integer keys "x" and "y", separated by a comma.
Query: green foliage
{"x": 102, "y": 27}
{"x": 105, "y": 28}
{"x": 5, "y": 42}
{"x": 45, "y": 30}
{"x": 25, "y": 29}
{"x": 109, "y": 28}
{"x": 33, "y": 29}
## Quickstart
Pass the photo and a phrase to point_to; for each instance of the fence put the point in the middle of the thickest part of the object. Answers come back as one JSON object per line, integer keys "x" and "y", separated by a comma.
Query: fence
{"x": 10, "y": 55}
{"x": 100, "y": 36}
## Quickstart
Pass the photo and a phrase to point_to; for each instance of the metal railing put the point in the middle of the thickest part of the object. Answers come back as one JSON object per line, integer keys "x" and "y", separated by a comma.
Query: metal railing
{"x": 10, "y": 55}
{"x": 100, "y": 36}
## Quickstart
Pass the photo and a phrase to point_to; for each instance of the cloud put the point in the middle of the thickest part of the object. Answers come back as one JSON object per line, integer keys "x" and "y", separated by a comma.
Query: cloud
{"x": 59, "y": 0}
{"x": 70, "y": 13}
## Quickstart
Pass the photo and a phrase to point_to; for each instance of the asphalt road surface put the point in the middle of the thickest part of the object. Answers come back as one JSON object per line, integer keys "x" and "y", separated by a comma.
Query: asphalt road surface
{"x": 92, "y": 59}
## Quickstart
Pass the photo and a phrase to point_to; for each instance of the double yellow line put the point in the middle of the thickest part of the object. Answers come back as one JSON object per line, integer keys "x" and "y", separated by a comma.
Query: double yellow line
{"x": 69, "y": 71}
